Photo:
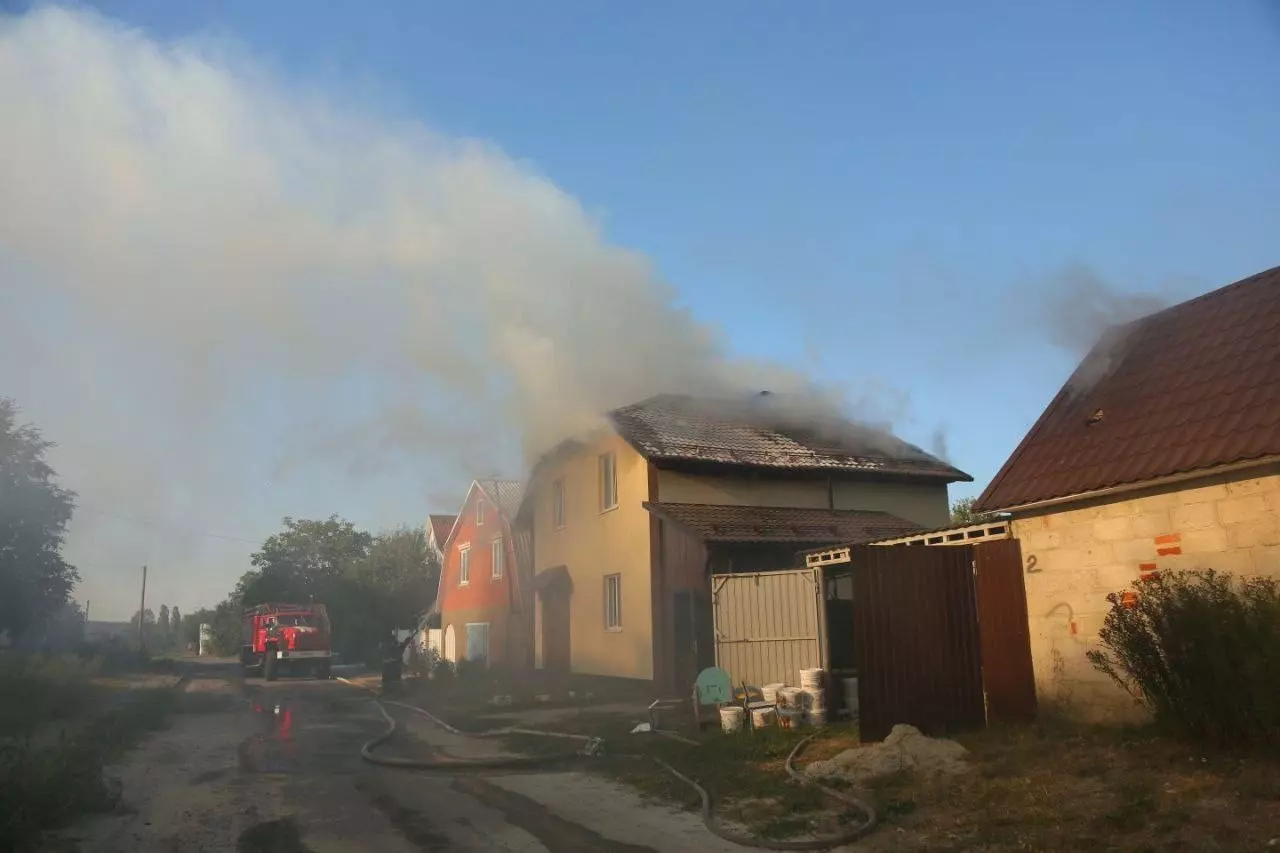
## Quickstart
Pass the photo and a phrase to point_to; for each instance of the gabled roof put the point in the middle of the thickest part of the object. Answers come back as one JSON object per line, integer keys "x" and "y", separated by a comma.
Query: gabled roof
{"x": 439, "y": 526}
{"x": 756, "y": 432}
{"x": 723, "y": 523}
{"x": 1189, "y": 388}
{"x": 504, "y": 494}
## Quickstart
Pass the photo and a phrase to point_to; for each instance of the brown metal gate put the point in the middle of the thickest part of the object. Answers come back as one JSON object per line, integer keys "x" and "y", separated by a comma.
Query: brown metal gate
{"x": 941, "y": 637}
{"x": 916, "y": 639}
{"x": 1007, "y": 674}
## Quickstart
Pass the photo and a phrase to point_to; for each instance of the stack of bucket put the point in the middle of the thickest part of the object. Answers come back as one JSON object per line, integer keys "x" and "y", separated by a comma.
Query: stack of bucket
{"x": 814, "y": 701}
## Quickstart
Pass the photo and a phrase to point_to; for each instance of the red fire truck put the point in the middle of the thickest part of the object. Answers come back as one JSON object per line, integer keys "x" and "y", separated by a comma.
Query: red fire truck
{"x": 280, "y": 637}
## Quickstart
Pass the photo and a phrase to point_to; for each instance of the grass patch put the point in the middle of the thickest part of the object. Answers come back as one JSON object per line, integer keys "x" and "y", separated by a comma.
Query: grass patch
{"x": 46, "y": 783}
{"x": 1057, "y": 786}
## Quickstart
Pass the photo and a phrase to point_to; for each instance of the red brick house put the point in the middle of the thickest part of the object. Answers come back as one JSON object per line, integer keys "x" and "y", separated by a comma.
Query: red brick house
{"x": 479, "y": 597}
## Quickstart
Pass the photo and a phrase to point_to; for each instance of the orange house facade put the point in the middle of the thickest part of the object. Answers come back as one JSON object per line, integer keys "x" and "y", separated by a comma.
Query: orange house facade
{"x": 480, "y": 613}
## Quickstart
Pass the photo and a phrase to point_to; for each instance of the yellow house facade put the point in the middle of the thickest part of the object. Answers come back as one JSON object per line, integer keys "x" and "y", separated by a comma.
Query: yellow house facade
{"x": 600, "y": 599}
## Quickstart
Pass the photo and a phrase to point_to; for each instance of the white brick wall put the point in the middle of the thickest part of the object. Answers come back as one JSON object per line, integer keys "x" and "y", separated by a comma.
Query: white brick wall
{"x": 1076, "y": 555}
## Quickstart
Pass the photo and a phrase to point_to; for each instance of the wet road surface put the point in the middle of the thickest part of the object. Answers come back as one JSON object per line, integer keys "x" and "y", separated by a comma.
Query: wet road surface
{"x": 275, "y": 768}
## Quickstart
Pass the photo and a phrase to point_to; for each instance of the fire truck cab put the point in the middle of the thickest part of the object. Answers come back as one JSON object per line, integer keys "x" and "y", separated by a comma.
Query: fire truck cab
{"x": 281, "y": 637}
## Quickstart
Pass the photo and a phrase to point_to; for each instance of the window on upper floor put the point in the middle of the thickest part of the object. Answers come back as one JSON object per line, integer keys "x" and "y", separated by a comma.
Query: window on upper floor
{"x": 480, "y": 511}
{"x": 557, "y": 503}
{"x": 613, "y": 603}
{"x": 498, "y": 551}
{"x": 608, "y": 476}
{"x": 464, "y": 565}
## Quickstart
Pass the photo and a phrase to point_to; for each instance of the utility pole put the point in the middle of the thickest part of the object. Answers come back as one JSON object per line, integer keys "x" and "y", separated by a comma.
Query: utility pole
{"x": 142, "y": 613}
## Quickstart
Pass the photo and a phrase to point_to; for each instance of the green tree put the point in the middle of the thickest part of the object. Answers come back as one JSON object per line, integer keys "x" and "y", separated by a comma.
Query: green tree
{"x": 962, "y": 513}
{"x": 403, "y": 572}
{"x": 162, "y": 626}
{"x": 175, "y": 628}
{"x": 35, "y": 581}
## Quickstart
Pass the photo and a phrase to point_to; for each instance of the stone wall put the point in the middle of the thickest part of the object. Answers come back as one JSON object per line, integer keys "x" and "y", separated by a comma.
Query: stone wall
{"x": 1075, "y": 555}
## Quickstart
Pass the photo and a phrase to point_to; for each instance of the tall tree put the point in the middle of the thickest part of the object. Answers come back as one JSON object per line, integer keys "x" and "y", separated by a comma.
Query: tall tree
{"x": 304, "y": 559}
{"x": 175, "y": 624}
{"x": 35, "y": 581}
{"x": 162, "y": 625}
{"x": 404, "y": 572}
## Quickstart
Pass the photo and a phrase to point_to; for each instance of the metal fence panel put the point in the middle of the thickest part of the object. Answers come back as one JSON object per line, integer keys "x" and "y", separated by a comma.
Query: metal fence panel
{"x": 769, "y": 625}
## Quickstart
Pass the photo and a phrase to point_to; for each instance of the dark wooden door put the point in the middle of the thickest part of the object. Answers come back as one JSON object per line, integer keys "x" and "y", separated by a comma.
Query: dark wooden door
{"x": 1007, "y": 673}
{"x": 916, "y": 644}
{"x": 555, "y": 630}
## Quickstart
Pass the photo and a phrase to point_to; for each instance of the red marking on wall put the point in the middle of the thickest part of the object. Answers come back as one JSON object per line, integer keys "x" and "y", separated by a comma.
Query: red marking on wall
{"x": 1129, "y": 599}
{"x": 1146, "y": 567}
{"x": 1169, "y": 539}
{"x": 1149, "y": 576}
{"x": 1168, "y": 552}
{"x": 1075, "y": 628}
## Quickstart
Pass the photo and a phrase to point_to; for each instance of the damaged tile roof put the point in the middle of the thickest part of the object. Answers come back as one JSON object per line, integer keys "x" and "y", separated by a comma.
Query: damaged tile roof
{"x": 505, "y": 494}
{"x": 755, "y": 433}
{"x": 1191, "y": 387}
{"x": 724, "y": 523}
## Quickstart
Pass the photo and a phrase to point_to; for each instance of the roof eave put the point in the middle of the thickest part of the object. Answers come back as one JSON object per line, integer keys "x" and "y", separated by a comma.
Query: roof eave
{"x": 1138, "y": 485}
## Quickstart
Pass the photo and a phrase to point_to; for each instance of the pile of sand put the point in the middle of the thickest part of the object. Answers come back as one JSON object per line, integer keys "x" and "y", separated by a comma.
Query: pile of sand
{"x": 904, "y": 749}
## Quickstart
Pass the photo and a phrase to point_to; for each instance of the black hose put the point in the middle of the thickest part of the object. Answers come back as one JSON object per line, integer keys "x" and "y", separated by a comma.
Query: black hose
{"x": 524, "y": 762}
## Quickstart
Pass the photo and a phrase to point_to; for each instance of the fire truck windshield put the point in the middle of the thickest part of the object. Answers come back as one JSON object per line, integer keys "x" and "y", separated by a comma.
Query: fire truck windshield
{"x": 295, "y": 620}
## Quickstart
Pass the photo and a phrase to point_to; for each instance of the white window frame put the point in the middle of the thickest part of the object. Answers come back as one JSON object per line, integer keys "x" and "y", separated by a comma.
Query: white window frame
{"x": 479, "y": 512}
{"x": 464, "y": 565}
{"x": 497, "y": 556}
{"x": 558, "y": 515}
{"x": 613, "y": 602}
{"x": 607, "y": 461}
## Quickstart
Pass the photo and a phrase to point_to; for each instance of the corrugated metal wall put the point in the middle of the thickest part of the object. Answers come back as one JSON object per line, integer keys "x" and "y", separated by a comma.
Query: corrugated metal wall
{"x": 769, "y": 625}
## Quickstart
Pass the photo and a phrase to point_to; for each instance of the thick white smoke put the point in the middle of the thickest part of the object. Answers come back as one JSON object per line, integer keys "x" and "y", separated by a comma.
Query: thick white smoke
{"x": 213, "y": 280}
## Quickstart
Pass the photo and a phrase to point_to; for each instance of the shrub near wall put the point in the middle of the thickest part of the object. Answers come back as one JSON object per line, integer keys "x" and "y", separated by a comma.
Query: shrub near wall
{"x": 1201, "y": 650}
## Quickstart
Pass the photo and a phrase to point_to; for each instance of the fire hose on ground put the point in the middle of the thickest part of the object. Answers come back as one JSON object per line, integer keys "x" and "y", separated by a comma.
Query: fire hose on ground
{"x": 590, "y": 748}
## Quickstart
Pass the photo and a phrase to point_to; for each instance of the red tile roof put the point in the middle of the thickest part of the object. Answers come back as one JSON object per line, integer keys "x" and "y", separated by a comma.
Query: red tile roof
{"x": 440, "y": 526}
{"x": 760, "y": 433}
{"x": 721, "y": 523}
{"x": 1191, "y": 387}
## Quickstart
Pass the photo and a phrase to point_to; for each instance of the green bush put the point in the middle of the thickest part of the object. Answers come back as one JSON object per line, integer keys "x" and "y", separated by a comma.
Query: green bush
{"x": 1201, "y": 651}
{"x": 35, "y": 688}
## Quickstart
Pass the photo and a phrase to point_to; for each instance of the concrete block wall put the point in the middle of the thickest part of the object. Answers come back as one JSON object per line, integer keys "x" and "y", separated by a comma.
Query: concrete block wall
{"x": 1075, "y": 555}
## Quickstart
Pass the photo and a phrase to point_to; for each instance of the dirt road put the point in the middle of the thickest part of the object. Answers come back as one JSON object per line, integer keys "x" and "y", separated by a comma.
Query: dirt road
{"x": 275, "y": 768}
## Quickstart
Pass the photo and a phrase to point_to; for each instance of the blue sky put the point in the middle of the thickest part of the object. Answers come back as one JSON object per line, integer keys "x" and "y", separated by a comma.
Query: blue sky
{"x": 875, "y": 192}
{"x": 852, "y": 179}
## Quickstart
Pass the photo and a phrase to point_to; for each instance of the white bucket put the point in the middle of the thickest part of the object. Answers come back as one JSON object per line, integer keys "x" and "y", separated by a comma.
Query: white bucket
{"x": 812, "y": 699}
{"x": 850, "y": 694}
{"x": 816, "y": 717}
{"x": 813, "y": 679}
{"x": 770, "y": 692}
{"x": 731, "y": 718}
{"x": 763, "y": 717}
{"x": 790, "y": 697}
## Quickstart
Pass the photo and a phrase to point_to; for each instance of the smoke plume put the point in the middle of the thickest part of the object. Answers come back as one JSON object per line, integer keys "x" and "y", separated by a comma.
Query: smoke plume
{"x": 214, "y": 281}
{"x": 1089, "y": 317}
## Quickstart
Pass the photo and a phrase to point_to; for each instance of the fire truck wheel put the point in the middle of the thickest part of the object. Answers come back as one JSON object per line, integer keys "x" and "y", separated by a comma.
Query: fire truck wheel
{"x": 270, "y": 666}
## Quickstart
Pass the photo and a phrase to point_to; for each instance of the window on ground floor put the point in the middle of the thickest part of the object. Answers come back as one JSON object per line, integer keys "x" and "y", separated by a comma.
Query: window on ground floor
{"x": 478, "y": 641}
